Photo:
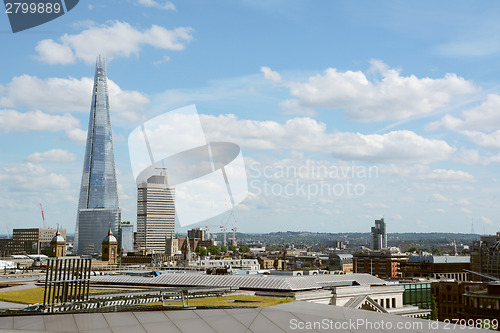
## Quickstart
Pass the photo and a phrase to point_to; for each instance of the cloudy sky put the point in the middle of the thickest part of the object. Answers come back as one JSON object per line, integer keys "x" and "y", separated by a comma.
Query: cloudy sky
{"x": 346, "y": 111}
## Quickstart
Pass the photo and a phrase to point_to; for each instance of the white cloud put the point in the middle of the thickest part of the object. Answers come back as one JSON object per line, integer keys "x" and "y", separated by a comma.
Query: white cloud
{"x": 472, "y": 156}
{"x": 51, "y": 94}
{"x": 71, "y": 94}
{"x": 167, "y": 5}
{"x": 491, "y": 140}
{"x": 448, "y": 175}
{"x": 77, "y": 136}
{"x": 375, "y": 205}
{"x": 483, "y": 117}
{"x": 436, "y": 197}
{"x": 127, "y": 104}
{"x": 270, "y": 74}
{"x": 112, "y": 40}
{"x": 29, "y": 176}
{"x": 14, "y": 121}
{"x": 393, "y": 97}
{"x": 53, "y": 155}
{"x": 421, "y": 223}
{"x": 292, "y": 106}
{"x": 309, "y": 135}
{"x": 466, "y": 210}
{"x": 468, "y": 156}
{"x": 163, "y": 60}
{"x": 493, "y": 160}
{"x": 486, "y": 220}
{"x": 54, "y": 53}
{"x": 426, "y": 174}
{"x": 463, "y": 202}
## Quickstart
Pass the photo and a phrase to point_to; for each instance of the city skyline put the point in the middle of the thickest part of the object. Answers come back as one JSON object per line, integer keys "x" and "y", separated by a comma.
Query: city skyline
{"x": 345, "y": 112}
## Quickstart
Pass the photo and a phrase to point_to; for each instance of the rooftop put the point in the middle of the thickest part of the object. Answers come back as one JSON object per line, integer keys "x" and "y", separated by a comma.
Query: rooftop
{"x": 252, "y": 282}
{"x": 438, "y": 259}
{"x": 287, "y": 317}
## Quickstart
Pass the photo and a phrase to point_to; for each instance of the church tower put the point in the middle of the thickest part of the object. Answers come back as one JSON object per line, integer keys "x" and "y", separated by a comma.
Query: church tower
{"x": 171, "y": 245}
{"x": 57, "y": 246}
{"x": 109, "y": 248}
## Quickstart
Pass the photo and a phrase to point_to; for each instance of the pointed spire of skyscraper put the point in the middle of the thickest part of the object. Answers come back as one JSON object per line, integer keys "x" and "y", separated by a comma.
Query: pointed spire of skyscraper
{"x": 98, "y": 202}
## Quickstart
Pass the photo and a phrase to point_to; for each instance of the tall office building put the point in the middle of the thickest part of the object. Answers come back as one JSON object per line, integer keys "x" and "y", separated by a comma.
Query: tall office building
{"x": 155, "y": 213}
{"x": 379, "y": 235}
{"x": 98, "y": 208}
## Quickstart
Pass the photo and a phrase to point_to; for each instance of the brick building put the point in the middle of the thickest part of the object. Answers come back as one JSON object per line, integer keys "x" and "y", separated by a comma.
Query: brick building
{"x": 382, "y": 263}
{"x": 449, "y": 297}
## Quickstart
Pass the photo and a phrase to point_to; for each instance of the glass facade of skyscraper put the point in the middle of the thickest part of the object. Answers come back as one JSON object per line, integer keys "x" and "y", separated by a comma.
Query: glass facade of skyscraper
{"x": 126, "y": 238}
{"x": 98, "y": 207}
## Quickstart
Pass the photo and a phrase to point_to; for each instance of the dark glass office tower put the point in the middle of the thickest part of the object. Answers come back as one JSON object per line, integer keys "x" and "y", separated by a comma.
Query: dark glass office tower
{"x": 98, "y": 207}
{"x": 379, "y": 235}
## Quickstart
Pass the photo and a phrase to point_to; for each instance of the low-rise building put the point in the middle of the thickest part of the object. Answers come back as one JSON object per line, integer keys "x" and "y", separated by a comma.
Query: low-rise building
{"x": 438, "y": 267}
{"x": 246, "y": 264}
{"x": 483, "y": 304}
{"x": 417, "y": 293}
{"x": 384, "y": 299}
{"x": 448, "y": 295}
{"x": 340, "y": 262}
{"x": 382, "y": 263}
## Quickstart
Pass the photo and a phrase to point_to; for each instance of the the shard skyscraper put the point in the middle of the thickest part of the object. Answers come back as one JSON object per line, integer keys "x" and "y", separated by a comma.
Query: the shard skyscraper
{"x": 98, "y": 207}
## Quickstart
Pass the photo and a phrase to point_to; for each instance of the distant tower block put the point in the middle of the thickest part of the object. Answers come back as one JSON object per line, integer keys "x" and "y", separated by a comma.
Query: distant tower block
{"x": 379, "y": 235}
{"x": 57, "y": 246}
{"x": 109, "y": 248}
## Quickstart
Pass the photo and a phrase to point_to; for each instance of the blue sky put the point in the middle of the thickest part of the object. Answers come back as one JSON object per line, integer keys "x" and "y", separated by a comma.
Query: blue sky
{"x": 316, "y": 93}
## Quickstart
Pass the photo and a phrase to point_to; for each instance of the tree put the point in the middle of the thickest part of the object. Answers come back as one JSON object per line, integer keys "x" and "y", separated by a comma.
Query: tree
{"x": 244, "y": 249}
{"x": 223, "y": 248}
{"x": 214, "y": 250}
{"x": 201, "y": 251}
{"x": 434, "y": 308}
{"x": 412, "y": 249}
{"x": 232, "y": 248}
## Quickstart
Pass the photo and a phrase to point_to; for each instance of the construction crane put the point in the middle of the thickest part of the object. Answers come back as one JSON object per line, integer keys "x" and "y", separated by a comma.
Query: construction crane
{"x": 224, "y": 230}
{"x": 234, "y": 234}
{"x": 233, "y": 229}
{"x": 43, "y": 217}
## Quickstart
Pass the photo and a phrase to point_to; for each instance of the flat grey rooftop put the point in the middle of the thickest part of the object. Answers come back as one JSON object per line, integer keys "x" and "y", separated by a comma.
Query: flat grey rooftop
{"x": 254, "y": 282}
{"x": 289, "y": 317}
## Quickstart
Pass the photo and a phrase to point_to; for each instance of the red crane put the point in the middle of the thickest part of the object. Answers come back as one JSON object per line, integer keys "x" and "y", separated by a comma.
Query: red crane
{"x": 43, "y": 216}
